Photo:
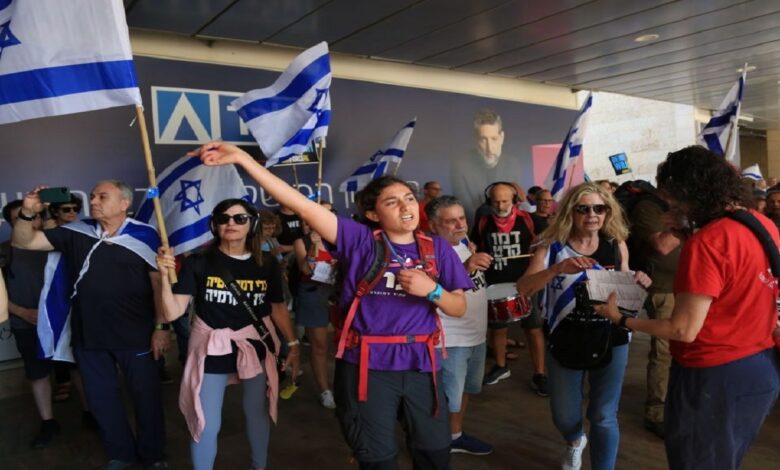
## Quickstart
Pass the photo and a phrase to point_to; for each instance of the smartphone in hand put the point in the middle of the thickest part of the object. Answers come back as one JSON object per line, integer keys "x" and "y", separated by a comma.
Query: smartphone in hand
{"x": 60, "y": 194}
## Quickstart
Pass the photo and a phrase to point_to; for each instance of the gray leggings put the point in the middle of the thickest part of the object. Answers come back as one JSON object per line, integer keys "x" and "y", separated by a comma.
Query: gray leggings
{"x": 258, "y": 423}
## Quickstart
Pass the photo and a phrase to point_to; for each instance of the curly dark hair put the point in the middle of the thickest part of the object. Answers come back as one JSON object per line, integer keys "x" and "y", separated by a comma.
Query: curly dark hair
{"x": 701, "y": 179}
{"x": 368, "y": 197}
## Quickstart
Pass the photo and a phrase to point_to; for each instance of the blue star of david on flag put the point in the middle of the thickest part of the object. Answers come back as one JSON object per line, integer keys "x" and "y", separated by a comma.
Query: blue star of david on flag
{"x": 557, "y": 282}
{"x": 183, "y": 196}
{"x": 317, "y": 106}
{"x": 7, "y": 38}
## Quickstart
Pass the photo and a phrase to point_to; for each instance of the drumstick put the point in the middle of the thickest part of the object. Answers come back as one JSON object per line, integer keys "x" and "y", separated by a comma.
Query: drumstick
{"x": 526, "y": 255}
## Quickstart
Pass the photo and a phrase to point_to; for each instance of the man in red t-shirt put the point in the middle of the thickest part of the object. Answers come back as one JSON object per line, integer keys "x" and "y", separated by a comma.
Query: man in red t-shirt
{"x": 725, "y": 378}
{"x": 431, "y": 191}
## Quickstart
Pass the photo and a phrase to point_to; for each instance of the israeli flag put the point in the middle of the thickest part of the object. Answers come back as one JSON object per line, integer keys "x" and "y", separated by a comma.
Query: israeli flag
{"x": 288, "y": 115}
{"x": 55, "y": 300}
{"x": 377, "y": 165}
{"x": 60, "y": 57}
{"x": 722, "y": 131}
{"x": 570, "y": 153}
{"x": 753, "y": 172}
{"x": 188, "y": 192}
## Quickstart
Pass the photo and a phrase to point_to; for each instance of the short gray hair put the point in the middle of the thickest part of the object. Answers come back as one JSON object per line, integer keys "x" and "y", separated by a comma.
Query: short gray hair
{"x": 124, "y": 188}
{"x": 442, "y": 202}
{"x": 487, "y": 116}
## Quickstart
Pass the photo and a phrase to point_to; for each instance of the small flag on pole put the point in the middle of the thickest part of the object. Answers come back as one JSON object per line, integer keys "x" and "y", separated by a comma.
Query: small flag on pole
{"x": 288, "y": 115}
{"x": 570, "y": 153}
{"x": 61, "y": 57}
{"x": 188, "y": 192}
{"x": 721, "y": 135}
{"x": 377, "y": 165}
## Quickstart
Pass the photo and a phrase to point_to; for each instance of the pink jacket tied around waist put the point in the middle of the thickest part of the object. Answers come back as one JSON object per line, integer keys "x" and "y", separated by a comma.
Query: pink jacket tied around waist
{"x": 205, "y": 341}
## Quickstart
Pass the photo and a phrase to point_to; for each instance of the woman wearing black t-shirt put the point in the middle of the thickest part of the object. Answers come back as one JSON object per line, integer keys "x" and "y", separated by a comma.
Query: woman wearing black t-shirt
{"x": 588, "y": 232}
{"x": 225, "y": 345}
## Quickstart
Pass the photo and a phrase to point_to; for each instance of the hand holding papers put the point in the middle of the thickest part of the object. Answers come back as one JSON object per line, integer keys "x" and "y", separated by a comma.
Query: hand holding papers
{"x": 630, "y": 296}
{"x": 324, "y": 272}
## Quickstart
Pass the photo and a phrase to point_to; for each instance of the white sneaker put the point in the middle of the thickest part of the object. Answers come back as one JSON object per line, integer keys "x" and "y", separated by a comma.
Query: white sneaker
{"x": 326, "y": 400}
{"x": 572, "y": 460}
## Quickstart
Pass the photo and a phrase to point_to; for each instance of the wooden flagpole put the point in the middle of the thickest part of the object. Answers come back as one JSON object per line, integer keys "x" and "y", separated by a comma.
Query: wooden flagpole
{"x": 139, "y": 113}
{"x": 319, "y": 170}
{"x": 295, "y": 175}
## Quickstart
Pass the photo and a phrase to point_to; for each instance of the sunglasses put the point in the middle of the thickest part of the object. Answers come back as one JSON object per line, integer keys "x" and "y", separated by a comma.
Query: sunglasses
{"x": 68, "y": 209}
{"x": 597, "y": 209}
{"x": 239, "y": 219}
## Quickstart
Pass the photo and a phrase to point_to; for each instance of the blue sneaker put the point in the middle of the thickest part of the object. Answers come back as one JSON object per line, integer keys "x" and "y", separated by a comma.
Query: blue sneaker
{"x": 466, "y": 444}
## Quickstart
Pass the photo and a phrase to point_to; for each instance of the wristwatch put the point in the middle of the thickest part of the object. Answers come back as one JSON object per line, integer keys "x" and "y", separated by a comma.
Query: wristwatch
{"x": 622, "y": 322}
{"x": 435, "y": 294}
{"x": 162, "y": 327}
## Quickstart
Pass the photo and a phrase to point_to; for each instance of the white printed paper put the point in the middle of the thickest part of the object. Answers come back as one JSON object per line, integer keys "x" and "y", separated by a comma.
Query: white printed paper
{"x": 324, "y": 272}
{"x": 630, "y": 295}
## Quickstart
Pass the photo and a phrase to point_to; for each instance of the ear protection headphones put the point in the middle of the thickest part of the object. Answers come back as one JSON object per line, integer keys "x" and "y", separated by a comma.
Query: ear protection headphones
{"x": 515, "y": 197}
{"x": 254, "y": 223}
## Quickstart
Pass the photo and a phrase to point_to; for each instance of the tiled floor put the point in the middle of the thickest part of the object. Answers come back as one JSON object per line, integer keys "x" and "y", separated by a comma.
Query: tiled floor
{"x": 508, "y": 415}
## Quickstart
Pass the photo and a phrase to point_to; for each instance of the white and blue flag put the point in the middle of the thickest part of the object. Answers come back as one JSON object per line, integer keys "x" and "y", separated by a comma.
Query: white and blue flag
{"x": 721, "y": 131}
{"x": 188, "y": 192}
{"x": 288, "y": 115}
{"x": 570, "y": 153}
{"x": 54, "y": 304}
{"x": 60, "y": 57}
{"x": 377, "y": 165}
{"x": 753, "y": 172}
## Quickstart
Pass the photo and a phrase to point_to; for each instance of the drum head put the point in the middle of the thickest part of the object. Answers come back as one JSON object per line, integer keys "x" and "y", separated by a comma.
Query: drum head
{"x": 505, "y": 290}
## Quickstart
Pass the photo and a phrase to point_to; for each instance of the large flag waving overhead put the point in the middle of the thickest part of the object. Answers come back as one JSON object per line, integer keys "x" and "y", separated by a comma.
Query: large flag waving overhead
{"x": 288, "y": 115}
{"x": 570, "y": 153}
{"x": 61, "y": 57}
{"x": 377, "y": 165}
{"x": 721, "y": 131}
{"x": 189, "y": 190}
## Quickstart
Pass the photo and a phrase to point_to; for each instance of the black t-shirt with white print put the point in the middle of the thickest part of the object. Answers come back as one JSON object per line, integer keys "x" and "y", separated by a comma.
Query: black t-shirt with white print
{"x": 215, "y": 305}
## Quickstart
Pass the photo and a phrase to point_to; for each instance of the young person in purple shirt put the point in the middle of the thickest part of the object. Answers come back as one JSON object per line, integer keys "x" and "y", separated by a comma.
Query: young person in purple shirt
{"x": 401, "y": 377}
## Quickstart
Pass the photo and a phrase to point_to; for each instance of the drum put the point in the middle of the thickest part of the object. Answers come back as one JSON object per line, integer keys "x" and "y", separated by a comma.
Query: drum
{"x": 505, "y": 305}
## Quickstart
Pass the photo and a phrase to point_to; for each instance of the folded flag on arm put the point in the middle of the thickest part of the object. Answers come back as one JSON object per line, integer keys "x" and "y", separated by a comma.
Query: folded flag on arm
{"x": 61, "y": 57}
{"x": 288, "y": 115}
{"x": 377, "y": 165}
{"x": 188, "y": 192}
{"x": 570, "y": 153}
{"x": 720, "y": 134}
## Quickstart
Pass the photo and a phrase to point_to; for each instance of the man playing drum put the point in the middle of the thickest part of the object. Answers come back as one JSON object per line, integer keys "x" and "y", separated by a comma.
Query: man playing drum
{"x": 507, "y": 234}
{"x": 464, "y": 366}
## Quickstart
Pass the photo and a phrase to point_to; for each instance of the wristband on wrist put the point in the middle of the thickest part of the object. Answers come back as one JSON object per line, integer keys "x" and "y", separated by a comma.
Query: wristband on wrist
{"x": 622, "y": 322}
{"x": 162, "y": 327}
{"x": 435, "y": 294}
{"x": 293, "y": 343}
{"x": 28, "y": 218}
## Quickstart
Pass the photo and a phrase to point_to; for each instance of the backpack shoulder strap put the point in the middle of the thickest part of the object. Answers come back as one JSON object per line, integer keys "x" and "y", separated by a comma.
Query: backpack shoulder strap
{"x": 529, "y": 222}
{"x": 427, "y": 250}
{"x": 770, "y": 247}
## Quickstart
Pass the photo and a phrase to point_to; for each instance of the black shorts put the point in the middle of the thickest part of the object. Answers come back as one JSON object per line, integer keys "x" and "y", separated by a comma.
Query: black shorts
{"x": 27, "y": 344}
{"x": 369, "y": 427}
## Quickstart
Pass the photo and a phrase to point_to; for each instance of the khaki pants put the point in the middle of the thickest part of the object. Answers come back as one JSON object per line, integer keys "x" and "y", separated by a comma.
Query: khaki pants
{"x": 658, "y": 360}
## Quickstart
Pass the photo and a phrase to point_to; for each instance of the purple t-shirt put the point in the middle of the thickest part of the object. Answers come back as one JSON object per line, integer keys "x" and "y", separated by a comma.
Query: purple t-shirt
{"x": 387, "y": 309}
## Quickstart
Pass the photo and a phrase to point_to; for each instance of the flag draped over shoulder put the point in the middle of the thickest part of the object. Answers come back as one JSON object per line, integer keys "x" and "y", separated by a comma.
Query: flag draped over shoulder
{"x": 288, "y": 115}
{"x": 54, "y": 304}
{"x": 570, "y": 153}
{"x": 721, "y": 130}
{"x": 189, "y": 190}
{"x": 60, "y": 57}
{"x": 377, "y": 165}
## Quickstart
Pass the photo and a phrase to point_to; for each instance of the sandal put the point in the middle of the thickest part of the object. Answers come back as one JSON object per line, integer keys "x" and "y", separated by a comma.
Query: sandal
{"x": 512, "y": 356}
{"x": 513, "y": 343}
{"x": 62, "y": 393}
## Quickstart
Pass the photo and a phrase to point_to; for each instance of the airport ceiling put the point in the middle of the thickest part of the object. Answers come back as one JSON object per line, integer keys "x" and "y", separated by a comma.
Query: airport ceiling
{"x": 580, "y": 44}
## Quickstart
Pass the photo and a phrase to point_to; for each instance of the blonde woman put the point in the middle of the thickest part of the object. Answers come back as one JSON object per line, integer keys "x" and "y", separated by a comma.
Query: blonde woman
{"x": 588, "y": 232}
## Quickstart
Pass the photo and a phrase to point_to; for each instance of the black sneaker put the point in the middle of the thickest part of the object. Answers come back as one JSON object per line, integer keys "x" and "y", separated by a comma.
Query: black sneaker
{"x": 470, "y": 445}
{"x": 496, "y": 374}
{"x": 49, "y": 429}
{"x": 539, "y": 385}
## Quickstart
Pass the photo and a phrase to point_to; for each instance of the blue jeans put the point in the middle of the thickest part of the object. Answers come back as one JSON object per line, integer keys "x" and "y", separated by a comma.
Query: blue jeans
{"x": 567, "y": 389}
{"x": 462, "y": 372}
